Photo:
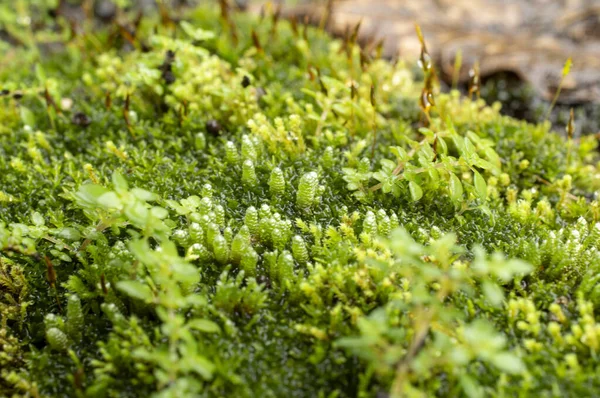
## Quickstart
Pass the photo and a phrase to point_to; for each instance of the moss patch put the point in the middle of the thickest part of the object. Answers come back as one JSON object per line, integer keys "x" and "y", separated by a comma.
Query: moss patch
{"x": 247, "y": 207}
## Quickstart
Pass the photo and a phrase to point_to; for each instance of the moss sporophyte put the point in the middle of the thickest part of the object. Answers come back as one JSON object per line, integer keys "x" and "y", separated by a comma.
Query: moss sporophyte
{"x": 213, "y": 204}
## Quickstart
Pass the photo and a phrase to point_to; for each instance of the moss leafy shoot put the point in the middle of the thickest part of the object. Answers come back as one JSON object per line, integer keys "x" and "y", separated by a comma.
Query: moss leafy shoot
{"x": 237, "y": 206}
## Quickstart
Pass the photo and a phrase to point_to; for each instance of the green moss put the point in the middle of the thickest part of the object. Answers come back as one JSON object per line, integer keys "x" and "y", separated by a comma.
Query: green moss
{"x": 227, "y": 229}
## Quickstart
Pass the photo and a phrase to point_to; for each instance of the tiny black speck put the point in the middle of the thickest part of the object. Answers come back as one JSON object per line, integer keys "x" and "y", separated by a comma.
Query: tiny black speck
{"x": 168, "y": 76}
{"x": 245, "y": 81}
{"x": 213, "y": 127}
{"x": 81, "y": 119}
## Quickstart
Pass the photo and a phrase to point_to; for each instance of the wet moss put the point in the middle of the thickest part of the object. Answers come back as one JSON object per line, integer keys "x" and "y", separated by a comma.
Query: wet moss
{"x": 197, "y": 210}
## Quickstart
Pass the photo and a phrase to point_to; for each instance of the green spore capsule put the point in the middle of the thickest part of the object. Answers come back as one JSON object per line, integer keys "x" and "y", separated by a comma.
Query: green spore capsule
{"x": 265, "y": 228}
{"x": 207, "y": 191}
{"x": 231, "y": 154}
{"x": 221, "y": 249}
{"x": 219, "y": 215}
{"x": 582, "y": 226}
{"x": 307, "y": 190}
{"x": 249, "y": 261}
{"x": 196, "y": 233}
{"x": 270, "y": 264}
{"x": 276, "y": 182}
{"x": 114, "y": 315}
{"x": 251, "y": 220}
{"x": 249, "y": 174}
{"x": 197, "y": 251}
{"x": 228, "y": 235}
{"x": 212, "y": 217}
{"x": 370, "y": 223}
{"x": 57, "y": 339}
{"x": 112, "y": 298}
{"x": 285, "y": 266}
{"x": 74, "y": 324}
{"x": 211, "y": 232}
{"x": 196, "y": 217}
{"x": 181, "y": 236}
{"x": 206, "y": 206}
{"x": 328, "y": 158}
{"x": 380, "y": 215}
{"x": 421, "y": 235}
{"x": 264, "y": 211}
{"x": 278, "y": 238}
{"x": 364, "y": 165}
{"x": 54, "y": 321}
{"x": 200, "y": 141}
{"x": 593, "y": 239}
{"x": 286, "y": 228}
{"x": 258, "y": 145}
{"x": 394, "y": 223}
{"x": 320, "y": 191}
{"x": 299, "y": 249}
{"x": 435, "y": 232}
{"x": 248, "y": 149}
{"x": 384, "y": 226}
{"x": 239, "y": 243}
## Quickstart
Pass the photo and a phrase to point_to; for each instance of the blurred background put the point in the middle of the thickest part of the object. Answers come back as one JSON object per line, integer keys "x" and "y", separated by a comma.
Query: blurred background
{"x": 521, "y": 45}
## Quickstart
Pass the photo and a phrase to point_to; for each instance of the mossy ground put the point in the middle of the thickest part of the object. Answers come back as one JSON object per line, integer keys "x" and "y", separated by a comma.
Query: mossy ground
{"x": 200, "y": 208}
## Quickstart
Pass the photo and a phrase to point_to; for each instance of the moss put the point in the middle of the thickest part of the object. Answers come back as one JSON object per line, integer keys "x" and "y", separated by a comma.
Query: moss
{"x": 192, "y": 212}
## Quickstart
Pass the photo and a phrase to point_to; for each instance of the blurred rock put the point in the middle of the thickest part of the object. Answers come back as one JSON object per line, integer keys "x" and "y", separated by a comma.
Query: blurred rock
{"x": 105, "y": 10}
{"x": 531, "y": 39}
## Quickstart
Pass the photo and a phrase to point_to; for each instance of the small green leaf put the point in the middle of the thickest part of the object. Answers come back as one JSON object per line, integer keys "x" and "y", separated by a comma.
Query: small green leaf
{"x": 144, "y": 195}
{"x": 202, "y": 366}
{"x": 87, "y": 195}
{"x": 433, "y": 174}
{"x": 136, "y": 290}
{"x": 508, "y": 362}
{"x": 493, "y": 293}
{"x": 400, "y": 153}
{"x": 506, "y": 269}
{"x": 387, "y": 165}
{"x": 141, "y": 250}
{"x": 196, "y": 33}
{"x": 469, "y": 147}
{"x": 204, "y": 325}
{"x": 470, "y": 387}
{"x": 181, "y": 210}
{"x": 37, "y": 219}
{"x": 159, "y": 212}
{"x": 110, "y": 200}
{"x": 473, "y": 137}
{"x": 27, "y": 116}
{"x": 441, "y": 146}
{"x": 192, "y": 203}
{"x": 195, "y": 300}
{"x": 459, "y": 143}
{"x": 40, "y": 74}
{"x": 456, "y": 188}
{"x": 119, "y": 182}
{"x": 493, "y": 157}
{"x": 480, "y": 185}
{"x": 416, "y": 192}
{"x": 69, "y": 233}
{"x": 484, "y": 164}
